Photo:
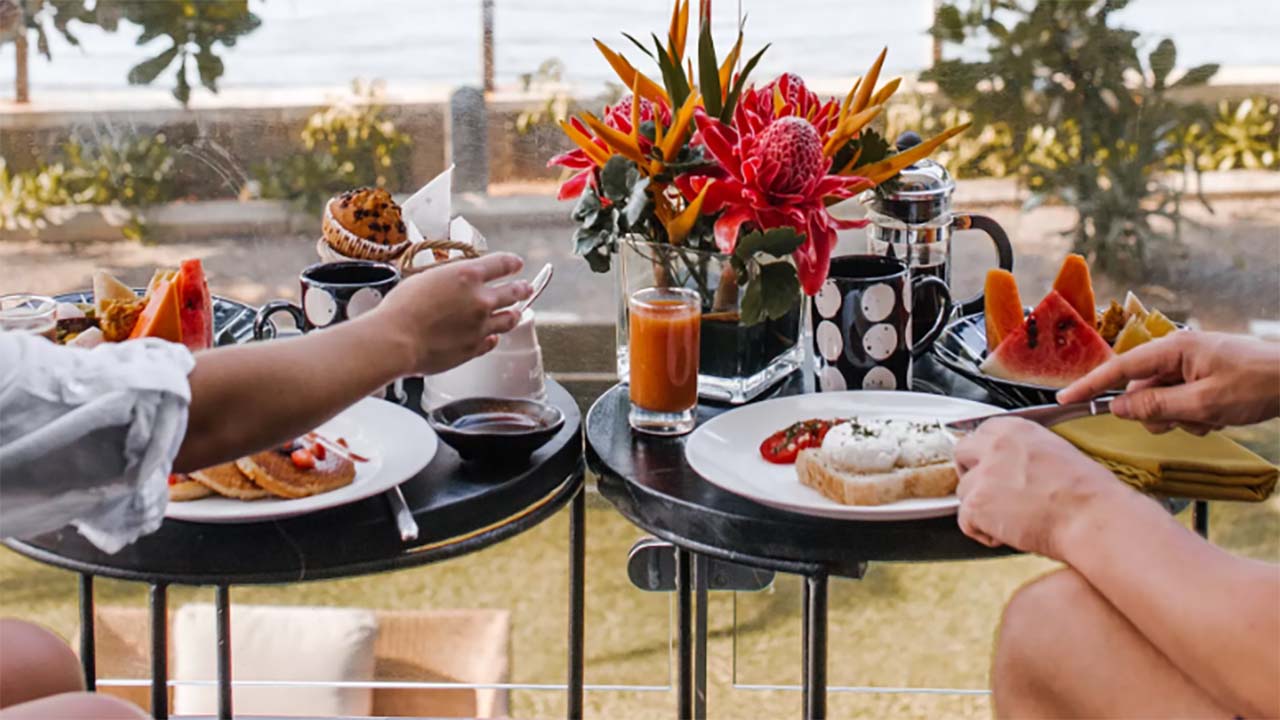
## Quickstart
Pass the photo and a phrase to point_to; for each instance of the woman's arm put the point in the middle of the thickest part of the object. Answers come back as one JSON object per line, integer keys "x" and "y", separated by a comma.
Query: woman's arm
{"x": 1214, "y": 615}
{"x": 248, "y": 397}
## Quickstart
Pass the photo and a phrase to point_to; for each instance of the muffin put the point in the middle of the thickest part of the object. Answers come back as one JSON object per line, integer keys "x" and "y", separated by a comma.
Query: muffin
{"x": 365, "y": 224}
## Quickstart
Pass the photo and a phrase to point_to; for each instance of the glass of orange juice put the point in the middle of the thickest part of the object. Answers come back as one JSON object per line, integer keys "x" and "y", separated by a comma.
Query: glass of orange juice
{"x": 664, "y": 334}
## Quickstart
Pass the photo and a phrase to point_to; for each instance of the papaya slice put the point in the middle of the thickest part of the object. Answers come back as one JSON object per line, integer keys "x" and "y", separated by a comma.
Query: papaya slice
{"x": 161, "y": 318}
{"x": 1076, "y": 287}
{"x": 1002, "y": 306}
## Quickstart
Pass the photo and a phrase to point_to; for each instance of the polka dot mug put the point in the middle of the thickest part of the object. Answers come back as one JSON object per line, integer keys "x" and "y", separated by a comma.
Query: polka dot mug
{"x": 331, "y": 292}
{"x": 862, "y": 324}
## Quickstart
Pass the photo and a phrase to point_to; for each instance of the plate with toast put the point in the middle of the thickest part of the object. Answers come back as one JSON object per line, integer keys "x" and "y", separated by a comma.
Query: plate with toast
{"x": 858, "y": 455}
{"x": 365, "y": 450}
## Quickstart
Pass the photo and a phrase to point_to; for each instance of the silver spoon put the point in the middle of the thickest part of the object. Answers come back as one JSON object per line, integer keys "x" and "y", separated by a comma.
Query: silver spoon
{"x": 540, "y": 282}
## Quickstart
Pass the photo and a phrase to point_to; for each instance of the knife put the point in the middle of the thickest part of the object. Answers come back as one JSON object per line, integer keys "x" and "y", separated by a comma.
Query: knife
{"x": 1046, "y": 415}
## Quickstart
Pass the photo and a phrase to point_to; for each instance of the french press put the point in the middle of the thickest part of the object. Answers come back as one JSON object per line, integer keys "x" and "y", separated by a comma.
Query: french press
{"x": 912, "y": 220}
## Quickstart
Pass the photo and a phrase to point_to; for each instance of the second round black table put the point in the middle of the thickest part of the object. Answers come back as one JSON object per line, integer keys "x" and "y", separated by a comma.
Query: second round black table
{"x": 648, "y": 480}
{"x": 459, "y": 507}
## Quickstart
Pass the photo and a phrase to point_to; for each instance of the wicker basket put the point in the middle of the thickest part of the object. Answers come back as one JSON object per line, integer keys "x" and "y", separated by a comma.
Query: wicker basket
{"x": 404, "y": 262}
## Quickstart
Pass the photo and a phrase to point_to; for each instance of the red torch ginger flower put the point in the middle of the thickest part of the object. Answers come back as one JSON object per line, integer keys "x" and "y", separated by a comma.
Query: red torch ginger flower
{"x": 617, "y": 117}
{"x": 776, "y": 177}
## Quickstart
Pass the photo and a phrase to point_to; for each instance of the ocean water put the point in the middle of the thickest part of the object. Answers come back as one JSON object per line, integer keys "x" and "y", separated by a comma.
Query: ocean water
{"x": 328, "y": 42}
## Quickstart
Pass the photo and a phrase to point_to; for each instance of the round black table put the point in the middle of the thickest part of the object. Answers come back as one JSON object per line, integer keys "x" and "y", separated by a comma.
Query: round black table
{"x": 648, "y": 481}
{"x": 459, "y": 507}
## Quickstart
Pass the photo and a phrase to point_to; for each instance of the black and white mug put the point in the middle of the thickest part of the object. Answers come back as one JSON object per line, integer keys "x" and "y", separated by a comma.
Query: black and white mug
{"x": 861, "y": 323}
{"x": 331, "y": 293}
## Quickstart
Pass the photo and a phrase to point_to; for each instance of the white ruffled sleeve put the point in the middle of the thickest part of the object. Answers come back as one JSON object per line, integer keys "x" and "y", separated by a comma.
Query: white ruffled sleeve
{"x": 88, "y": 437}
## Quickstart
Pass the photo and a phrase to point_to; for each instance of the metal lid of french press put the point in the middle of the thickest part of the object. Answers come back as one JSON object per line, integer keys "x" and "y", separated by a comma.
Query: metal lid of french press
{"x": 920, "y": 192}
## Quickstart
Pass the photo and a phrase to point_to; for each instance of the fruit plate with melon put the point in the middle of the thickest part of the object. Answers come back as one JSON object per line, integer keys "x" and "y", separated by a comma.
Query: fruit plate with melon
{"x": 1024, "y": 355}
{"x": 175, "y": 306}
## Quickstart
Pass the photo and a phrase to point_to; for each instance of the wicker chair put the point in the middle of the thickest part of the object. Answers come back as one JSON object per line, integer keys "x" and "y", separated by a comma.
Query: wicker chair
{"x": 457, "y": 646}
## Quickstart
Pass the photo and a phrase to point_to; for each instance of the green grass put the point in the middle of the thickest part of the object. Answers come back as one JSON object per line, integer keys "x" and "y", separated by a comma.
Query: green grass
{"x": 925, "y": 625}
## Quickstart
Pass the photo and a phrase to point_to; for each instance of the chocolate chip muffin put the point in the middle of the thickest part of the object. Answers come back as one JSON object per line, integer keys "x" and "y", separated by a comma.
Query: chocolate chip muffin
{"x": 365, "y": 224}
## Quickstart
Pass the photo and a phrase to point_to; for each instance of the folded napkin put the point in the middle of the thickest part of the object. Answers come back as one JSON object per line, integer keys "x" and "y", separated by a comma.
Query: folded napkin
{"x": 1175, "y": 463}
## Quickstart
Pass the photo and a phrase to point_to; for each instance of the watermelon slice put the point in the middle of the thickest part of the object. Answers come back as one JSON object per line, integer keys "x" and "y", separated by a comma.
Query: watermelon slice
{"x": 1053, "y": 347}
{"x": 195, "y": 311}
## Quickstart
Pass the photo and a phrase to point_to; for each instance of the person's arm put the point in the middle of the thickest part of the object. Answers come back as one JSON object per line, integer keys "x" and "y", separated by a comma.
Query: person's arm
{"x": 1197, "y": 380}
{"x": 1214, "y": 615}
{"x": 248, "y": 397}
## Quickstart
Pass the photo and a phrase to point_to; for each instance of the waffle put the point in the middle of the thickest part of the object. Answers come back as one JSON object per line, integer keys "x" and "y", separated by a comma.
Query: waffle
{"x": 227, "y": 480}
{"x": 185, "y": 489}
{"x": 274, "y": 471}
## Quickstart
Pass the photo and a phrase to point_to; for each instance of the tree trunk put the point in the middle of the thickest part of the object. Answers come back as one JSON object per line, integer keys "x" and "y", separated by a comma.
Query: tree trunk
{"x": 21, "y": 85}
{"x": 487, "y": 12}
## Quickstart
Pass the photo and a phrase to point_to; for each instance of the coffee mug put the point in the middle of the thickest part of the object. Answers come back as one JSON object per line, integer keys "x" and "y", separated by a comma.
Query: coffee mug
{"x": 333, "y": 292}
{"x": 861, "y": 323}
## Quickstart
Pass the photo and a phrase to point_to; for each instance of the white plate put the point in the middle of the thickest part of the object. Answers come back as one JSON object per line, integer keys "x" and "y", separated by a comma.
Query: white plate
{"x": 398, "y": 443}
{"x": 726, "y": 449}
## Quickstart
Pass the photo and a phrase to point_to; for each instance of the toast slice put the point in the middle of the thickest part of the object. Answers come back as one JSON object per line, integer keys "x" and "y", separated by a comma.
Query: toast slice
{"x": 275, "y": 472}
{"x": 227, "y": 480}
{"x": 846, "y": 488}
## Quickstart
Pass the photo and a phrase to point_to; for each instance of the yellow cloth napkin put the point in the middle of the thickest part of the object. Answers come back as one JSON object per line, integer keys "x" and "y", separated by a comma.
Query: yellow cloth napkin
{"x": 1176, "y": 463}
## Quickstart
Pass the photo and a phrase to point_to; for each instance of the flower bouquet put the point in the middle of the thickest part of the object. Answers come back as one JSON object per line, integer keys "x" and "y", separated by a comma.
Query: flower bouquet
{"x": 710, "y": 182}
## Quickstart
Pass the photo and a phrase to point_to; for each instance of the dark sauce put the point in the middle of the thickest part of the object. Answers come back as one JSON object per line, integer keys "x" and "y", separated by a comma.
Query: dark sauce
{"x": 496, "y": 423}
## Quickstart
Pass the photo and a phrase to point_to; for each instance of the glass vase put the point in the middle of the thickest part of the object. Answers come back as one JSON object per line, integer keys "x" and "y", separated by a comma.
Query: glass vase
{"x": 737, "y": 363}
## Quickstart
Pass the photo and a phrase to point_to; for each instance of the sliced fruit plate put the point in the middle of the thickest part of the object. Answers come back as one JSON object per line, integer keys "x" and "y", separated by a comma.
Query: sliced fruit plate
{"x": 1023, "y": 356}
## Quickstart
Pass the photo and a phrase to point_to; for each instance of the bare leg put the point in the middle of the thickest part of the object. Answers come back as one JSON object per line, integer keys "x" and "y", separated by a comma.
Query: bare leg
{"x": 34, "y": 663}
{"x": 74, "y": 706}
{"x": 1064, "y": 651}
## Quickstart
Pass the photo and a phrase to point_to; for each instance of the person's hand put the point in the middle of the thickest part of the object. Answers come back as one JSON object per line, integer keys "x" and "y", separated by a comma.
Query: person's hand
{"x": 1199, "y": 381}
{"x": 1020, "y": 484}
{"x": 448, "y": 315}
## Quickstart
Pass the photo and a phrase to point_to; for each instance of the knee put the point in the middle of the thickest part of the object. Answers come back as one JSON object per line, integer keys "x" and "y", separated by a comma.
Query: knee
{"x": 1031, "y": 621}
{"x": 76, "y": 705}
{"x": 34, "y": 663}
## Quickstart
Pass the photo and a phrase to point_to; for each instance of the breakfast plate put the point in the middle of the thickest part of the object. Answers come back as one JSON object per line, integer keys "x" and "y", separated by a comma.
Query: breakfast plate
{"x": 397, "y": 442}
{"x": 725, "y": 449}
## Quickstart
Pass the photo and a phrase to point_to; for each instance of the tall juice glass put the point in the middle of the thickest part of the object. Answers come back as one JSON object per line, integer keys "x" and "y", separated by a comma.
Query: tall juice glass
{"x": 665, "y": 328}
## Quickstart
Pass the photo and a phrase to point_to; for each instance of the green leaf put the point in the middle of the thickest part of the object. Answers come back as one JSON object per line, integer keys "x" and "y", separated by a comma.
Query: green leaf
{"x": 1198, "y": 75}
{"x": 613, "y": 178}
{"x": 673, "y": 76}
{"x": 148, "y": 70}
{"x": 1162, "y": 60}
{"x": 182, "y": 90}
{"x": 210, "y": 68}
{"x": 709, "y": 72}
{"x": 781, "y": 288}
{"x": 948, "y": 25}
{"x": 778, "y": 242}
{"x": 637, "y": 203}
{"x": 640, "y": 45}
{"x": 599, "y": 259}
{"x": 585, "y": 240}
{"x": 587, "y": 209}
{"x": 731, "y": 100}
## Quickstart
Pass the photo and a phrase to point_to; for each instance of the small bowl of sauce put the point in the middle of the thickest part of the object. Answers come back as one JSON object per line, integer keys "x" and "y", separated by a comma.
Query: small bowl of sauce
{"x": 496, "y": 430}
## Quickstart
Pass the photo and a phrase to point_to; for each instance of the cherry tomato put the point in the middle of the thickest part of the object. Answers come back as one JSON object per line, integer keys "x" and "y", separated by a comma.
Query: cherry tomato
{"x": 303, "y": 459}
{"x": 783, "y": 446}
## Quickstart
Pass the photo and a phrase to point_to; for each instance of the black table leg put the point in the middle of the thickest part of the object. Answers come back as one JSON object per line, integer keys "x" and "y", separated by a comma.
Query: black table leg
{"x": 223, "y": 613}
{"x": 1200, "y": 517}
{"x": 701, "y": 566}
{"x": 577, "y": 601}
{"x": 88, "y": 657}
{"x": 159, "y": 652}
{"x": 684, "y": 611}
{"x": 815, "y": 647}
